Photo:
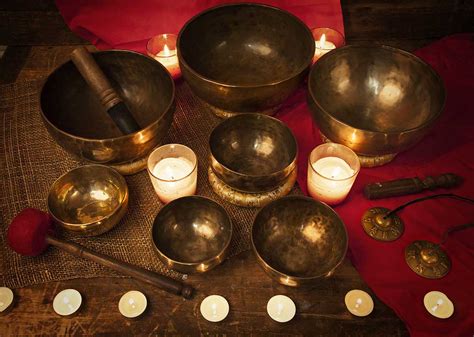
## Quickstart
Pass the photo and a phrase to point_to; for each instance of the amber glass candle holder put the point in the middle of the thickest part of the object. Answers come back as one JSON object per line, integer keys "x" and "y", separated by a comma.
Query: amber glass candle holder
{"x": 163, "y": 49}
{"x": 326, "y": 39}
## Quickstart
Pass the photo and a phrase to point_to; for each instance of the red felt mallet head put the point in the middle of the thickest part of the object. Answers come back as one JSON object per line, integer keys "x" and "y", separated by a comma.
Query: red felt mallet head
{"x": 28, "y": 230}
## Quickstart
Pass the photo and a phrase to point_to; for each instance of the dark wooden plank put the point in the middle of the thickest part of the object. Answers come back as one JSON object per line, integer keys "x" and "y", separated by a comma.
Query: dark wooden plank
{"x": 320, "y": 310}
{"x": 27, "y": 5}
{"x": 35, "y": 28}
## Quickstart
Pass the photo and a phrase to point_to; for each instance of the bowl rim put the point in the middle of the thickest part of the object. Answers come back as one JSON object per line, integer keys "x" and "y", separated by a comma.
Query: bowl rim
{"x": 184, "y": 199}
{"x": 181, "y": 59}
{"x": 130, "y": 135}
{"x": 255, "y": 115}
{"x": 392, "y": 49}
{"x": 112, "y": 171}
{"x": 266, "y": 265}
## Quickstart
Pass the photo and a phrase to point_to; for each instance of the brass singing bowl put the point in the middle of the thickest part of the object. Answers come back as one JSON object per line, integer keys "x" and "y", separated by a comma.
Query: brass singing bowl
{"x": 192, "y": 234}
{"x": 75, "y": 118}
{"x": 252, "y": 152}
{"x": 298, "y": 240}
{"x": 377, "y": 100}
{"x": 244, "y": 57}
{"x": 88, "y": 200}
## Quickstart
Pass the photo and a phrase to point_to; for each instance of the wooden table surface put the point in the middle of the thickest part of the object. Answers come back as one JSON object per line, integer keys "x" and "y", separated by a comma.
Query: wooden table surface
{"x": 38, "y": 41}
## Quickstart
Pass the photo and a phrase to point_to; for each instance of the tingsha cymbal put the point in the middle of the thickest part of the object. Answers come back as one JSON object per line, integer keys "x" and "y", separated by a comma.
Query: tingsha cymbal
{"x": 381, "y": 227}
{"x": 427, "y": 259}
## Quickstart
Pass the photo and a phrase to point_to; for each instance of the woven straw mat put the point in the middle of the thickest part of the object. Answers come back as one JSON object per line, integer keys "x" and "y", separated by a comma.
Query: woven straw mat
{"x": 31, "y": 161}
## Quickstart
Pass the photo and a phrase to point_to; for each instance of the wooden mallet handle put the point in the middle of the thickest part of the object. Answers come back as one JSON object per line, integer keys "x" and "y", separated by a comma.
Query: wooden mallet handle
{"x": 99, "y": 83}
{"x": 166, "y": 283}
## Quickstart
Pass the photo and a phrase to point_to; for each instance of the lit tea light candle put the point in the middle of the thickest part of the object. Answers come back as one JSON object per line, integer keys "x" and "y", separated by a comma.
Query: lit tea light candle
{"x": 173, "y": 171}
{"x": 281, "y": 308}
{"x": 6, "y": 299}
{"x": 359, "y": 303}
{"x": 67, "y": 302}
{"x": 438, "y": 304}
{"x": 132, "y": 304}
{"x": 332, "y": 169}
{"x": 325, "y": 40}
{"x": 163, "y": 49}
{"x": 214, "y": 308}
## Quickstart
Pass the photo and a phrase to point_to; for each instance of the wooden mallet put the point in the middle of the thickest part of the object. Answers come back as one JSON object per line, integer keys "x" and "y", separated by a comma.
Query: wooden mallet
{"x": 32, "y": 231}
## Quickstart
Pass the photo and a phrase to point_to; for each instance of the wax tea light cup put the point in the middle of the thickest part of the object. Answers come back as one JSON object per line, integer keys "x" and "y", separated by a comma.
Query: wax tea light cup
{"x": 132, "y": 304}
{"x": 67, "y": 302}
{"x": 359, "y": 303}
{"x": 163, "y": 49}
{"x": 325, "y": 40}
{"x": 173, "y": 171}
{"x": 6, "y": 299}
{"x": 214, "y": 308}
{"x": 281, "y": 308}
{"x": 332, "y": 170}
{"x": 438, "y": 304}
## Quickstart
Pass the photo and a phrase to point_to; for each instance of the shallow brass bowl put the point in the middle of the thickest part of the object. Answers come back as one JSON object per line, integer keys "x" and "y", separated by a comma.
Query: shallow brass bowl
{"x": 252, "y": 152}
{"x": 192, "y": 234}
{"x": 244, "y": 57}
{"x": 298, "y": 240}
{"x": 77, "y": 121}
{"x": 377, "y": 100}
{"x": 89, "y": 200}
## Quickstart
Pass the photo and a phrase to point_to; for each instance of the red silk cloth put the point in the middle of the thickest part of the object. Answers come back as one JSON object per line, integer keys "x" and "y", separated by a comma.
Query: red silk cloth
{"x": 449, "y": 147}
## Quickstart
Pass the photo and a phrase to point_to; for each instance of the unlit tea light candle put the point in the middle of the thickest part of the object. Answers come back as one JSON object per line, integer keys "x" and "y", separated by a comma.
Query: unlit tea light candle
{"x": 281, "y": 308}
{"x": 67, "y": 302}
{"x": 132, "y": 304}
{"x": 214, "y": 308}
{"x": 173, "y": 171}
{"x": 6, "y": 299}
{"x": 438, "y": 304}
{"x": 332, "y": 169}
{"x": 359, "y": 303}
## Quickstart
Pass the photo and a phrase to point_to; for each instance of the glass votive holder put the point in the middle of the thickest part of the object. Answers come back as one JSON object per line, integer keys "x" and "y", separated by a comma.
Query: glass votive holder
{"x": 163, "y": 49}
{"x": 173, "y": 171}
{"x": 326, "y": 39}
{"x": 332, "y": 170}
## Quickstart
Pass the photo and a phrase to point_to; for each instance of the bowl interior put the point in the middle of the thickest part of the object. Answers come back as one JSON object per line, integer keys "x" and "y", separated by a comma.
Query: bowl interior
{"x": 191, "y": 230}
{"x": 70, "y": 105}
{"x": 86, "y": 195}
{"x": 246, "y": 44}
{"x": 253, "y": 144}
{"x": 376, "y": 88}
{"x": 299, "y": 237}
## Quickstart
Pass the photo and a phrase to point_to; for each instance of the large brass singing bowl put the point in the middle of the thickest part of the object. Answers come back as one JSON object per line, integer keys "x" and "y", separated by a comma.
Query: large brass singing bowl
{"x": 77, "y": 121}
{"x": 244, "y": 57}
{"x": 377, "y": 100}
{"x": 252, "y": 152}
{"x": 88, "y": 200}
{"x": 192, "y": 234}
{"x": 298, "y": 240}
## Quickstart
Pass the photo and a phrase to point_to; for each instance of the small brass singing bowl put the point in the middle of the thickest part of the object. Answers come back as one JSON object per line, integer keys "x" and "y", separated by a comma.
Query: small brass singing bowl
{"x": 252, "y": 152}
{"x": 297, "y": 240}
{"x": 78, "y": 122}
{"x": 377, "y": 100}
{"x": 244, "y": 57}
{"x": 88, "y": 200}
{"x": 192, "y": 234}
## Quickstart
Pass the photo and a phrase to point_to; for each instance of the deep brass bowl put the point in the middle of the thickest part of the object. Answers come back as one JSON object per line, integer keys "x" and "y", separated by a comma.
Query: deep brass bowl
{"x": 298, "y": 240}
{"x": 88, "y": 200}
{"x": 252, "y": 152}
{"x": 244, "y": 57}
{"x": 77, "y": 121}
{"x": 192, "y": 234}
{"x": 377, "y": 100}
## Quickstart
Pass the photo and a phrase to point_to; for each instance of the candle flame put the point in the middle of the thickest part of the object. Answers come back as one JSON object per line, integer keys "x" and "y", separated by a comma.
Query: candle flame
{"x": 322, "y": 41}
{"x": 166, "y": 51}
